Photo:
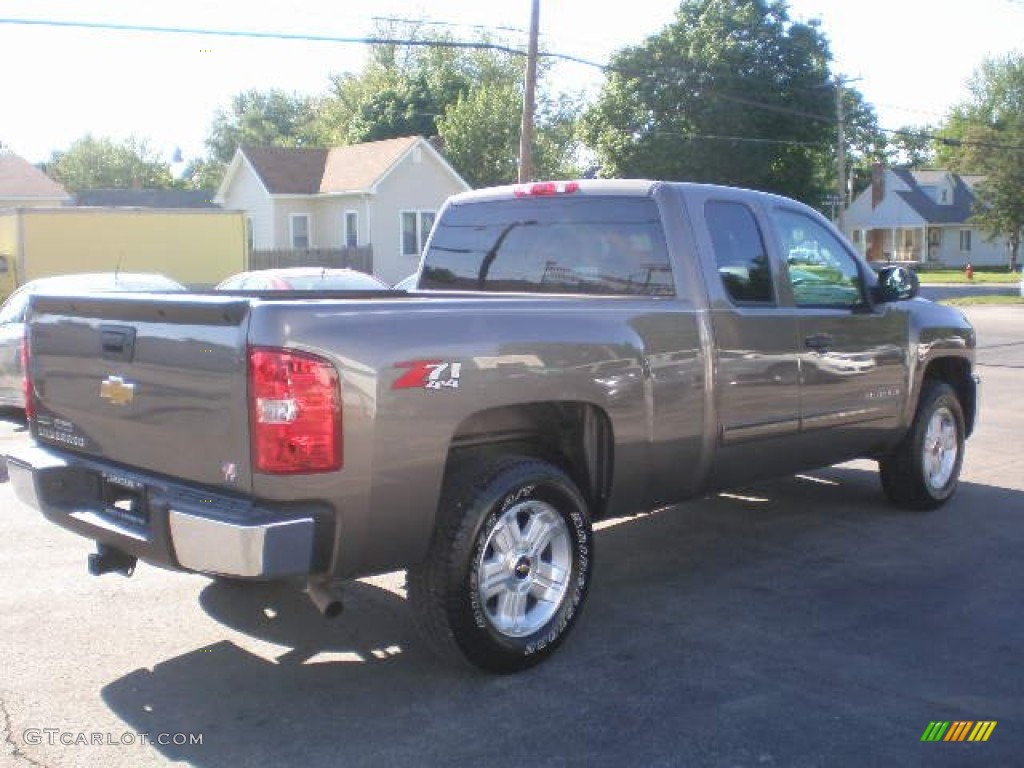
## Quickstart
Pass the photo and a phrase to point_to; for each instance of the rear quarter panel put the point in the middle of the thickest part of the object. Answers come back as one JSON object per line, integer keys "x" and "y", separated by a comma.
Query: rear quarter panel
{"x": 638, "y": 360}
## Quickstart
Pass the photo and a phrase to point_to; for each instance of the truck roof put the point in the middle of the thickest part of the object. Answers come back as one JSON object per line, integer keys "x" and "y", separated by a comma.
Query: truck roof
{"x": 617, "y": 187}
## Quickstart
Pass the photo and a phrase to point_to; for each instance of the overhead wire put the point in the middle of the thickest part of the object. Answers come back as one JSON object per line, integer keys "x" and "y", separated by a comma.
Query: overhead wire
{"x": 477, "y": 45}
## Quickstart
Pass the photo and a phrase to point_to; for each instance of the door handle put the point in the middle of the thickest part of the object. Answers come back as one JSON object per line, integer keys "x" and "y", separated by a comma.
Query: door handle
{"x": 117, "y": 342}
{"x": 819, "y": 342}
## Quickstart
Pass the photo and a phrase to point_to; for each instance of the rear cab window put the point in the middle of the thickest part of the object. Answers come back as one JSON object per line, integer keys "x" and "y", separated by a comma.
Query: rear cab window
{"x": 610, "y": 246}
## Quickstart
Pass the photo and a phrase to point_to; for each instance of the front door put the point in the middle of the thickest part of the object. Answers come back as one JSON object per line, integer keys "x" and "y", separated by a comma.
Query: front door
{"x": 853, "y": 366}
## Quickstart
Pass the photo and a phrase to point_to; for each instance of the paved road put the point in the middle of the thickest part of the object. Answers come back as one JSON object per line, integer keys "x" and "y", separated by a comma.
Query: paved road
{"x": 795, "y": 623}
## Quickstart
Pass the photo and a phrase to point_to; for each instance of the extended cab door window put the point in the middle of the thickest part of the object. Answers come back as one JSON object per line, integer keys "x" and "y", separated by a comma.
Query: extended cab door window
{"x": 821, "y": 271}
{"x": 739, "y": 252}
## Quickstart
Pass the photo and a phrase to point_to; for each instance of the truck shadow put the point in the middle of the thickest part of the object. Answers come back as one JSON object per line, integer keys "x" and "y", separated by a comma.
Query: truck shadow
{"x": 763, "y": 614}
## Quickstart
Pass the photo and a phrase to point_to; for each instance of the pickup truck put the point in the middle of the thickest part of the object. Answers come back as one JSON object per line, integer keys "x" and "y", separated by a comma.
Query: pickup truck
{"x": 573, "y": 351}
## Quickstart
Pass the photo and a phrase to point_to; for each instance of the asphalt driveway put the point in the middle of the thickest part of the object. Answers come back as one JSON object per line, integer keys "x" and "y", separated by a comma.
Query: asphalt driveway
{"x": 800, "y": 622}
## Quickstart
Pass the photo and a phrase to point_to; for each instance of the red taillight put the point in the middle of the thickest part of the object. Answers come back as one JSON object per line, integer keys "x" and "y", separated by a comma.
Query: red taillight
{"x": 547, "y": 189}
{"x": 26, "y": 381}
{"x": 295, "y": 412}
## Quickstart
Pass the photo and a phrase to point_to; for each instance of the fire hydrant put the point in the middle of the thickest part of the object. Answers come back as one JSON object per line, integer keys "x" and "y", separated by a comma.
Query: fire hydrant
{"x": 969, "y": 271}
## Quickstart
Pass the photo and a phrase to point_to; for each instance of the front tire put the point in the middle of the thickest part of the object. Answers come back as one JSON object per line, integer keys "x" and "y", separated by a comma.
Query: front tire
{"x": 509, "y": 565}
{"x": 924, "y": 470}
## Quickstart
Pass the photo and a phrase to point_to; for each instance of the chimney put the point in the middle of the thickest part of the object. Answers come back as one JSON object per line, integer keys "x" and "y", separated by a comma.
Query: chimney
{"x": 877, "y": 184}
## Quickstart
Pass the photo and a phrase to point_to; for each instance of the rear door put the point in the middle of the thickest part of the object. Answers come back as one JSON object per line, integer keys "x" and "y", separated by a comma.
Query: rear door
{"x": 757, "y": 387}
{"x": 154, "y": 383}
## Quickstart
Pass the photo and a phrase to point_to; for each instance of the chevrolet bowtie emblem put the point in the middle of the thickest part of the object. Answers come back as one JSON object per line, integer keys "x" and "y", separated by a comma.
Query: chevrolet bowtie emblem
{"x": 117, "y": 390}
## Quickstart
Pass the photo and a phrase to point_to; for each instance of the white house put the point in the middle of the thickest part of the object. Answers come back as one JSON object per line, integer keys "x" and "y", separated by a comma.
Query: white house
{"x": 22, "y": 185}
{"x": 921, "y": 217}
{"x": 383, "y": 194}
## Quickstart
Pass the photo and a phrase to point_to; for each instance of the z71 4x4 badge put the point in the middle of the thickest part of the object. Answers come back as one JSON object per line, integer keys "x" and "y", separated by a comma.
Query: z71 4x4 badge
{"x": 428, "y": 374}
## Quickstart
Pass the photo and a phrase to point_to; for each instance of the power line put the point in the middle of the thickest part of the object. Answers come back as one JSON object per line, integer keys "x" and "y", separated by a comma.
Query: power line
{"x": 450, "y": 24}
{"x": 473, "y": 45}
{"x": 254, "y": 34}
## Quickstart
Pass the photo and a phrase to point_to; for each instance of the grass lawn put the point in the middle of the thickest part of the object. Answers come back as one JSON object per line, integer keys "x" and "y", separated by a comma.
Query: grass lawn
{"x": 967, "y": 300}
{"x": 988, "y": 275}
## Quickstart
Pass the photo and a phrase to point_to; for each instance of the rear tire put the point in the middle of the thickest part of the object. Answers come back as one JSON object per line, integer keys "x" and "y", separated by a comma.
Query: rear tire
{"x": 509, "y": 564}
{"x": 924, "y": 470}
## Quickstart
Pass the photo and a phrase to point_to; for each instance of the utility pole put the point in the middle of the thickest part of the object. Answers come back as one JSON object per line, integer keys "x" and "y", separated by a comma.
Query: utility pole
{"x": 840, "y": 154}
{"x": 842, "y": 192}
{"x": 526, "y": 129}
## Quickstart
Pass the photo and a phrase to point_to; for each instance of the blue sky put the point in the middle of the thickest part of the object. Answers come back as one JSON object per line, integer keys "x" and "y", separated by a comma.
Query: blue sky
{"x": 913, "y": 57}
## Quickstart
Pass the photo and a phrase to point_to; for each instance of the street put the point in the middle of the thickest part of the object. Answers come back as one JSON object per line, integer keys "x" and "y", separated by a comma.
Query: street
{"x": 799, "y": 622}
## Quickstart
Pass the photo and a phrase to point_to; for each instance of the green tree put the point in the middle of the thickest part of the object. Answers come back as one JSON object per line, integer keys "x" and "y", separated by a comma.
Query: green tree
{"x": 985, "y": 135}
{"x": 731, "y": 92}
{"x": 202, "y": 173}
{"x": 913, "y": 146}
{"x": 470, "y": 97}
{"x": 264, "y": 118}
{"x": 104, "y": 163}
{"x": 480, "y": 133}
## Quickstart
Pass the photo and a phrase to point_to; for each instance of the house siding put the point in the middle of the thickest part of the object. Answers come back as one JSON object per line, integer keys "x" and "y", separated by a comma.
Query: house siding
{"x": 419, "y": 180}
{"x": 284, "y": 208}
{"x": 247, "y": 194}
{"x": 410, "y": 186}
{"x": 893, "y": 216}
{"x": 983, "y": 252}
{"x": 330, "y": 225}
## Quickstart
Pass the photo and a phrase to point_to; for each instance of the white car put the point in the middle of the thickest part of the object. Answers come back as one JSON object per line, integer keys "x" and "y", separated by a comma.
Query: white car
{"x": 303, "y": 279}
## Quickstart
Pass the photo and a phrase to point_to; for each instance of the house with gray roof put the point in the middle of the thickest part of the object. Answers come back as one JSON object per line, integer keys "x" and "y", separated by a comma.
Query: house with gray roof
{"x": 382, "y": 194}
{"x": 145, "y": 198}
{"x": 22, "y": 185}
{"x": 920, "y": 216}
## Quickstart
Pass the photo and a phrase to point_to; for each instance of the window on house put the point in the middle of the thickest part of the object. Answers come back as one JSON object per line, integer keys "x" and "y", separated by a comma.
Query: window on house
{"x": 300, "y": 231}
{"x": 351, "y": 233}
{"x": 858, "y": 235}
{"x": 944, "y": 196}
{"x": 965, "y": 241}
{"x": 416, "y": 226}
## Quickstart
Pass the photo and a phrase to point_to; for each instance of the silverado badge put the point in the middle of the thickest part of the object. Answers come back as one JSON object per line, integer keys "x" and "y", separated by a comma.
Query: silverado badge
{"x": 117, "y": 390}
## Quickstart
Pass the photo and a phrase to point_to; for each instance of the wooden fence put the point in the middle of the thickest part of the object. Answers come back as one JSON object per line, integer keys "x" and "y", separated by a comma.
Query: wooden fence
{"x": 360, "y": 258}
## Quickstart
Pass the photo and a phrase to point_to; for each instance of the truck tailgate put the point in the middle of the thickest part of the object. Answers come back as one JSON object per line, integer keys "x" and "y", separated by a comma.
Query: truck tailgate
{"x": 153, "y": 382}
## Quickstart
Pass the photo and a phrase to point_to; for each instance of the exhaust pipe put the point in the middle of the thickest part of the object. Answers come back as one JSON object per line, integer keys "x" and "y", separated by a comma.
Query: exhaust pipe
{"x": 108, "y": 559}
{"x": 326, "y": 598}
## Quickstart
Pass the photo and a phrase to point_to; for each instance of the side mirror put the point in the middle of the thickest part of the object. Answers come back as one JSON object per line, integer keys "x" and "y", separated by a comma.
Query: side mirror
{"x": 896, "y": 284}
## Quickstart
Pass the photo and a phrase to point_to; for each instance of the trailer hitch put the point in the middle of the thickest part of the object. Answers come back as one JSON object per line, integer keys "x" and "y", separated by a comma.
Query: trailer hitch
{"x": 108, "y": 559}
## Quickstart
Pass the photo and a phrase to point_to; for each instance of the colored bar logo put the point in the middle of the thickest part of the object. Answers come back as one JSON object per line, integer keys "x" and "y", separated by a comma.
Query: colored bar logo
{"x": 959, "y": 730}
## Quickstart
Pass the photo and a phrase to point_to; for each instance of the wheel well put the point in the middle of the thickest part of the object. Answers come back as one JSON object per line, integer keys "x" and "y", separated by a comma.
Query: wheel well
{"x": 956, "y": 371}
{"x": 577, "y": 437}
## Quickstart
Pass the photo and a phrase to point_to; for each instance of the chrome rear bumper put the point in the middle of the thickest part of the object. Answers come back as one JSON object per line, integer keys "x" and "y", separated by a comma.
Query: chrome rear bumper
{"x": 164, "y": 523}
